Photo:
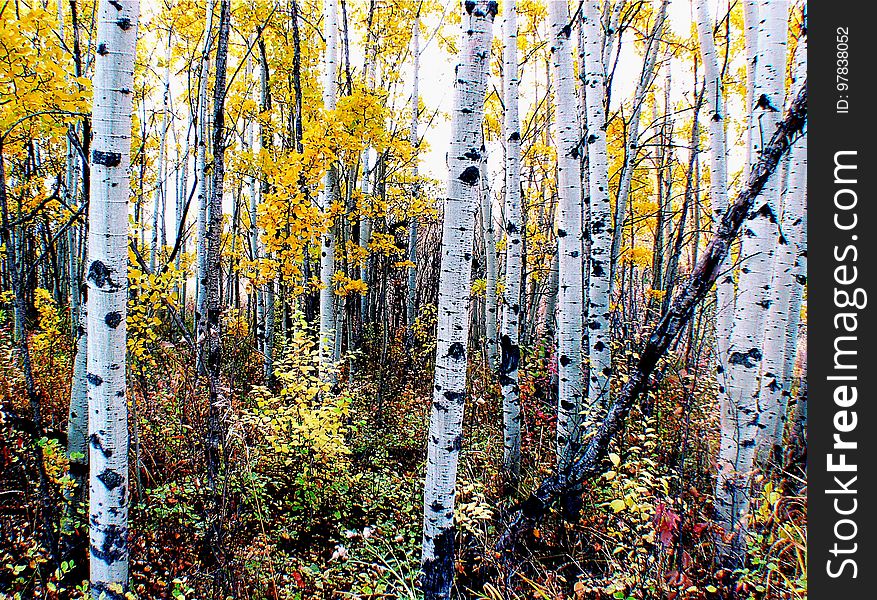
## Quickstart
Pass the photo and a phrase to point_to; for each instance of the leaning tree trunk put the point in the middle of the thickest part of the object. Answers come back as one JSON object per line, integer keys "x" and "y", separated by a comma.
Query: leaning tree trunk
{"x": 592, "y": 461}
{"x": 328, "y": 194}
{"x": 107, "y": 296}
{"x": 414, "y": 140}
{"x": 446, "y": 415}
{"x": 740, "y": 417}
{"x": 569, "y": 242}
{"x": 600, "y": 226}
{"x": 784, "y": 312}
{"x": 510, "y": 335}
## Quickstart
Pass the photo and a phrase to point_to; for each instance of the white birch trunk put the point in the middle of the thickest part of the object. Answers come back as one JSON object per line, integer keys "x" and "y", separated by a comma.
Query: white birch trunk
{"x": 715, "y": 101}
{"x": 490, "y": 304}
{"x": 740, "y": 418}
{"x": 569, "y": 240}
{"x": 201, "y": 170}
{"x": 158, "y": 197}
{"x": 781, "y": 328}
{"x": 510, "y": 340}
{"x": 446, "y": 415}
{"x": 600, "y": 225}
{"x": 107, "y": 295}
{"x": 327, "y": 194}
{"x": 414, "y": 140}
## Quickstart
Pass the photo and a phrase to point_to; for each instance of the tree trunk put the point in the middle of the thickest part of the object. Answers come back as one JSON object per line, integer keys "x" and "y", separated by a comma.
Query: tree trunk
{"x": 446, "y": 415}
{"x": 510, "y": 357}
{"x": 414, "y": 140}
{"x": 740, "y": 418}
{"x": 107, "y": 296}
{"x": 328, "y": 194}
{"x": 785, "y": 308}
{"x": 569, "y": 241}
{"x": 600, "y": 226}
{"x": 714, "y": 96}
{"x": 201, "y": 173}
{"x": 210, "y": 334}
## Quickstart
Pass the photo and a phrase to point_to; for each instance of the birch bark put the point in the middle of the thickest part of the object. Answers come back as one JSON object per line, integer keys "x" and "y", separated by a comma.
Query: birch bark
{"x": 107, "y": 295}
{"x": 446, "y": 415}
{"x": 569, "y": 240}
{"x": 781, "y": 327}
{"x": 510, "y": 334}
{"x": 714, "y": 97}
{"x": 328, "y": 193}
{"x": 599, "y": 227}
{"x": 740, "y": 418}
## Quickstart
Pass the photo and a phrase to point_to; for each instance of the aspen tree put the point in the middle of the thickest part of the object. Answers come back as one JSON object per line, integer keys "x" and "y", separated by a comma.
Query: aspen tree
{"x": 107, "y": 294}
{"x": 715, "y": 101}
{"x": 414, "y": 140}
{"x": 201, "y": 188}
{"x": 328, "y": 194}
{"x": 449, "y": 392}
{"x": 510, "y": 334}
{"x": 600, "y": 225}
{"x": 740, "y": 417}
{"x": 781, "y": 326}
{"x": 569, "y": 242}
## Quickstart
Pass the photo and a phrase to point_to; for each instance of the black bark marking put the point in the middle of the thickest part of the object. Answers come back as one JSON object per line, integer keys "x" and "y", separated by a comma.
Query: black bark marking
{"x": 747, "y": 359}
{"x": 99, "y": 273}
{"x": 515, "y": 136}
{"x": 561, "y": 233}
{"x": 124, "y": 23}
{"x": 470, "y": 6}
{"x": 564, "y": 360}
{"x": 107, "y": 159}
{"x": 438, "y": 572}
{"x": 599, "y": 346}
{"x": 472, "y": 155}
{"x": 470, "y": 175}
{"x": 510, "y": 355}
{"x": 113, "y": 319}
{"x": 114, "y": 546}
{"x": 457, "y": 351}
{"x": 97, "y": 444}
{"x": 492, "y": 8}
{"x": 102, "y": 49}
{"x": 115, "y": 4}
{"x": 455, "y": 397}
{"x": 110, "y": 479}
{"x": 511, "y": 228}
{"x": 94, "y": 380}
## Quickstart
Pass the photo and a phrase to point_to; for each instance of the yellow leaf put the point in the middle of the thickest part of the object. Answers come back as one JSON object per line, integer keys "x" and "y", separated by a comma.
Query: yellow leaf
{"x": 617, "y": 505}
{"x": 616, "y": 460}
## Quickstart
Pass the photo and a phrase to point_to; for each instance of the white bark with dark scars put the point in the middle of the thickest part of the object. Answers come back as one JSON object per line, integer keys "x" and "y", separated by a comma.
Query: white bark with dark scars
{"x": 781, "y": 328}
{"x": 569, "y": 240}
{"x": 107, "y": 295}
{"x": 510, "y": 352}
{"x": 740, "y": 416}
{"x": 449, "y": 392}
{"x": 328, "y": 194}
{"x": 600, "y": 225}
